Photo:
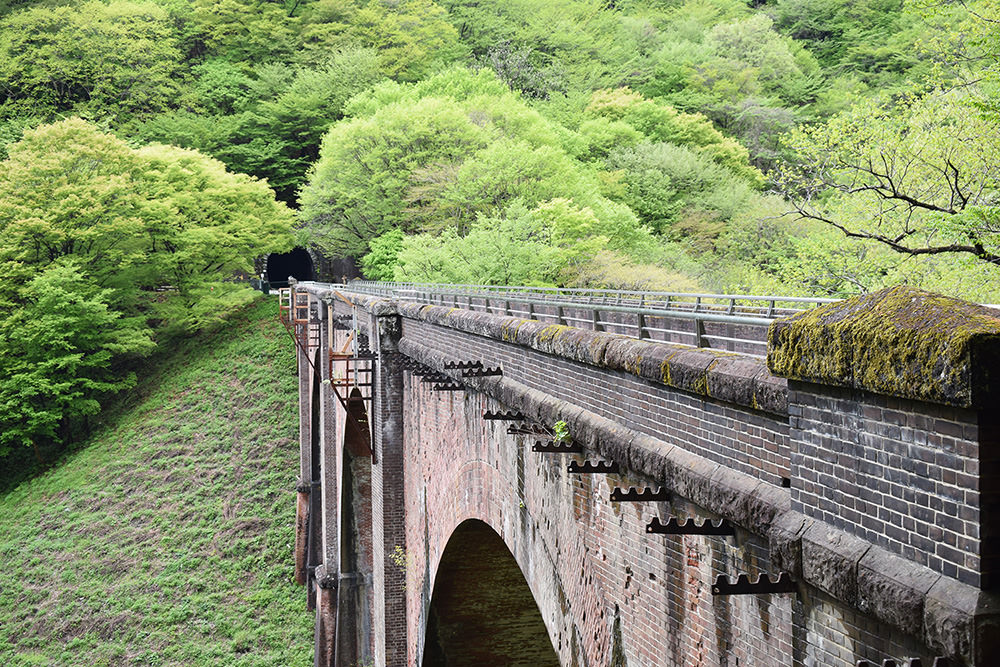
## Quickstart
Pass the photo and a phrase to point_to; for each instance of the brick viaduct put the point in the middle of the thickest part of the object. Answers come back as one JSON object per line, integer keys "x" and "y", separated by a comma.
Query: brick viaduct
{"x": 852, "y": 477}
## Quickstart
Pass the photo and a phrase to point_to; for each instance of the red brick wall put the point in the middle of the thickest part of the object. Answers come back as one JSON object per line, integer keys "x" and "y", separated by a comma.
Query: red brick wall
{"x": 603, "y": 586}
{"x": 589, "y": 561}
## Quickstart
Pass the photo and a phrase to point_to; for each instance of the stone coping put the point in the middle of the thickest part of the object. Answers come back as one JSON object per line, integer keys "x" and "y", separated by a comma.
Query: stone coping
{"x": 899, "y": 341}
{"x": 952, "y": 618}
{"x": 733, "y": 378}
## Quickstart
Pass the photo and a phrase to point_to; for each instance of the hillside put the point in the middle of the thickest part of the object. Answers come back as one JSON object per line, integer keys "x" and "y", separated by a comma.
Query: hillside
{"x": 166, "y": 539}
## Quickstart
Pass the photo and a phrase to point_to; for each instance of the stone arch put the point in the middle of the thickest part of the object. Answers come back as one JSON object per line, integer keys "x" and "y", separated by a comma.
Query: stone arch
{"x": 482, "y": 611}
{"x": 354, "y": 632}
{"x": 297, "y": 263}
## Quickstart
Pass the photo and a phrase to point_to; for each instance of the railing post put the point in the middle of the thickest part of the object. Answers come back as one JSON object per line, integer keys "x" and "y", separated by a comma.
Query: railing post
{"x": 559, "y": 314}
{"x": 640, "y": 318}
{"x": 531, "y": 310}
{"x": 699, "y": 333}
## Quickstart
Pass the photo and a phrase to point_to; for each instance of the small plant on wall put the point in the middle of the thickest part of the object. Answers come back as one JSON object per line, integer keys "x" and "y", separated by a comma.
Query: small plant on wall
{"x": 401, "y": 559}
{"x": 560, "y": 432}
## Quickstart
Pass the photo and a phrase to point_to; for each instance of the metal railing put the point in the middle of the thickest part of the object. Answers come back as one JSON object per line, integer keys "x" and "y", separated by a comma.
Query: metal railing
{"x": 732, "y": 322}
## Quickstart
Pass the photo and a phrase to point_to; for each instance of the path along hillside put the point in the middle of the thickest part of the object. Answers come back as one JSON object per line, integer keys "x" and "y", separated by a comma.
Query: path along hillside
{"x": 167, "y": 538}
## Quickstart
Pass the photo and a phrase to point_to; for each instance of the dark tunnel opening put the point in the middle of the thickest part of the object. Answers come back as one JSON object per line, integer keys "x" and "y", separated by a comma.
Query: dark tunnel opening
{"x": 297, "y": 264}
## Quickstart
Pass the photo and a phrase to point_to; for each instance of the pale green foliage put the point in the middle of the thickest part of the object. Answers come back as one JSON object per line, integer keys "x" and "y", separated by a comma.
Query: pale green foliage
{"x": 662, "y": 123}
{"x": 269, "y": 121}
{"x": 920, "y": 175}
{"x": 560, "y": 431}
{"x": 380, "y": 262}
{"x": 520, "y": 247}
{"x": 581, "y": 44}
{"x": 138, "y": 219}
{"x": 357, "y": 188}
{"x": 410, "y": 36}
{"x": 437, "y": 156}
{"x": 612, "y": 270}
{"x": 99, "y": 241}
{"x": 665, "y": 183}
{"x": 242, "y": 31}
{"x": 603, "y": 135}
{"x": 56, "y": 353}
{"x": 752, "y": 42}
{"x": 117, "y": 59}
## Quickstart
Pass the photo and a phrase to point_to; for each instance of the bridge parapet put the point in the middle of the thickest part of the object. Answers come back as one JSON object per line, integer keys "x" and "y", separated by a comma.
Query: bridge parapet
{"x": 893, "y": 435}
{"x": 889, "y": 488}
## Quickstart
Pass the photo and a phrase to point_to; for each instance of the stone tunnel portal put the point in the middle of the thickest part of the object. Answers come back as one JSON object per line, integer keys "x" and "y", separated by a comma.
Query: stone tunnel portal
{"x": 482, "y": 611}
{"x": 297, "y": 264}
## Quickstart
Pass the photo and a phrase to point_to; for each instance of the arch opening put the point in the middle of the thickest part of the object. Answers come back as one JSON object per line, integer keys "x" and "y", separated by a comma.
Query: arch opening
{"x": 354, "y": 633}
{"x": 298, "y": 264}
{"x": 482, "y": 611}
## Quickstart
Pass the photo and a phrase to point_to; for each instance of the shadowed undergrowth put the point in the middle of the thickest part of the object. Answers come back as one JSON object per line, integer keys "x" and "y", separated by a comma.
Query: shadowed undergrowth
{"x": 167, "y": 538}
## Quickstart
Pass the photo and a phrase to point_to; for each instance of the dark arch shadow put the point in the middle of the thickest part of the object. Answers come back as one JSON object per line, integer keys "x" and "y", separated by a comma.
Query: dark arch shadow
{"x": 297, "y": 264}
{"x": 482, "y": 611}
{"x": 355, "y": 594}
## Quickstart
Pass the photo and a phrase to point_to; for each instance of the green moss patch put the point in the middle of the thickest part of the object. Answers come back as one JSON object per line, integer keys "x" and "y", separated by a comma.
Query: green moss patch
{"x": 899, "y": 341}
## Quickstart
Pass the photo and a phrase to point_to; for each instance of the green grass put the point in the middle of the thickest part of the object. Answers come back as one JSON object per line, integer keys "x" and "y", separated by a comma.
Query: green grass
{"x": 167, "y": 538}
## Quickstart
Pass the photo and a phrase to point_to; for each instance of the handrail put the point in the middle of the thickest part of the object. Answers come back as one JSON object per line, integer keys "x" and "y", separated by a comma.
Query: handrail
{"x": 389, "y": 287}
{"x": 736, "y": 323}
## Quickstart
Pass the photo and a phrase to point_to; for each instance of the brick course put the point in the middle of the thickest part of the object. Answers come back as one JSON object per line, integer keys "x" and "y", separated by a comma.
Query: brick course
{"x": 898, "y": 473}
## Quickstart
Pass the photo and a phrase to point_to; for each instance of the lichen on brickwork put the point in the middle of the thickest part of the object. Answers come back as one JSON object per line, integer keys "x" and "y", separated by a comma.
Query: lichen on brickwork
{"x": 900, "y": 341}
{"x": 553, "y": 332}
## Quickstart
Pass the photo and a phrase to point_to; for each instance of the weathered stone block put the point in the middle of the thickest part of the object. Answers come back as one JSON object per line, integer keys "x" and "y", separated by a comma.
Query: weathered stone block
{"x": 628, "y": 354}
{"x": 770, "y": 393}
{"x": 690, "y": 476}
{"x": 830, "y": 560}
{"x": 948, "y": 621}
{"x": 731, "y": 494}
{"x": 733, "y": 379}
{"x": 785, "y": 542}
{"x": 893, "y": 589}
{"x": 765, "y": 503}
{"x": 899, "y": 341}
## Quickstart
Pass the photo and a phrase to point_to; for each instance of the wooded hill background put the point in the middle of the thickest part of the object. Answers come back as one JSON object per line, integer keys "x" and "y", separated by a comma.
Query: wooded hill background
{"x": 150, "y": 149}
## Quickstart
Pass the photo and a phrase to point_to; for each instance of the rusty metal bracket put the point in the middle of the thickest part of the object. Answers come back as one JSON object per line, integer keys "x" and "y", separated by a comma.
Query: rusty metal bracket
{"x": 462, "y": 365}
{"x": 635, "y": 496}
{"x": 482, "y": 372}
{"x": 591, "y": 467}
{"x": 763, "y": 585}
{"x": 912, "y": 662}
{"x": 556, "y": 448}
{"x": 449, "y": 386}
{"x": 408, "y": 364}
{"x": 690, "y": 527}
{"x": 528, "y": 429}
{"x": 504, "y": 416}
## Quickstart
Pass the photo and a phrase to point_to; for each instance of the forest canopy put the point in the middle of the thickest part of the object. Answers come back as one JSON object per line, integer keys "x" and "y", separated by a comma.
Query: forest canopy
{"x": 151, "y": 149}
{"x": 104, "y": 248}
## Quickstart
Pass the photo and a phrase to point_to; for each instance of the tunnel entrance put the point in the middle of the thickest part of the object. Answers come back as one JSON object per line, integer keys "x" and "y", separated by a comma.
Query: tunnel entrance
{"x": 297, "y": 264}
{"x": 482, "y": 611}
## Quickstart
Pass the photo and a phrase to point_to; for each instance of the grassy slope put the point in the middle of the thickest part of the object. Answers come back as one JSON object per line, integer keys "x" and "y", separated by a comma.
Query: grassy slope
{"x": 167, "y": 540}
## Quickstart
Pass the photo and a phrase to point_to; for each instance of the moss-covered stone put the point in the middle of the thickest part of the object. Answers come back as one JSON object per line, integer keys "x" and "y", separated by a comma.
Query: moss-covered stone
{"x": 899, "y": 341}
